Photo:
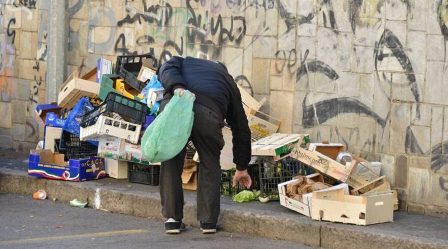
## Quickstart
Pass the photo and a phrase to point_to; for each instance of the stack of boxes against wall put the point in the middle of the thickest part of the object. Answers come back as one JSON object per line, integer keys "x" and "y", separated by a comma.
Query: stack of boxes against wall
{"x": 324, "y": 175}
{"x": 319, "y": 180}
{"x": 107, "y": 129}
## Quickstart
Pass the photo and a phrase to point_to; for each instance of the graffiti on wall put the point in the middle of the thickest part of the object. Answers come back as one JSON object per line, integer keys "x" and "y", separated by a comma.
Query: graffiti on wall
{"x": 205, "y": 28}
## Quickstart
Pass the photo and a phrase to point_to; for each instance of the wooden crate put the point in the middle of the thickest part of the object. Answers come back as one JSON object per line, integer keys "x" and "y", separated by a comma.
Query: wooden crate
{"x": 336, "y": 206}
{"x": 262, "y": 125}
{"x": 331, "y": 150}
{"x": 323, "y": 163}
{"x": 277, "y": 144}
{"x": 304, "y": 206}
{"x": 379, "y": 185}
{"x": 250, "y": 104}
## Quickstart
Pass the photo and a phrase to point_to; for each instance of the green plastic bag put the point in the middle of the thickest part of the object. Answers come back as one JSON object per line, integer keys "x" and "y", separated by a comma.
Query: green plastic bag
{"x": 170, "y": 131}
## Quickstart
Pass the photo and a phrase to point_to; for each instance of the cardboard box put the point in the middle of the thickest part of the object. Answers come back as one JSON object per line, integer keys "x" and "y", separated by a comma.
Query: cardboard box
{"x": 50, "y": 134}
{"x": 337, "y": 206}
{"x": 116, "y": 169}
{"x": 42, "y": 110}
{"x": 111, "y": 147}
{"x": 323, "y": 163}
{"x": 145, "y": 74}
{"x": 74, "y": 88}
{"x": 117, "y": 148}
{"x": 46, "y": 164}
{"x": 304, "y": 206}
{"x": 189, "y": 176}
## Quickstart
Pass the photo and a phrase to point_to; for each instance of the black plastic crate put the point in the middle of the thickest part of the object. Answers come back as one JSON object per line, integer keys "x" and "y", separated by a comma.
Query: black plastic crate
{"x": 144, "y": 174}
{"x": 227, "y": 181}
{"x": 73, "y": 148}
{"x": 130, "y": 110}
{"x": 129, "y": 66}
{"x": 271, "y": 172}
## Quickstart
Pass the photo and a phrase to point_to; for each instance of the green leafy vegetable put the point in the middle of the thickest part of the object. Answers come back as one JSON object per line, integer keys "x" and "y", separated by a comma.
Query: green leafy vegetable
{"x": 246, "y": 196}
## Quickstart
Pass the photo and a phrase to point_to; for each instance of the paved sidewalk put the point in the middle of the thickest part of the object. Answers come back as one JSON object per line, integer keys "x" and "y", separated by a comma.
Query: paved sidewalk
{"x": 268, "y": 220}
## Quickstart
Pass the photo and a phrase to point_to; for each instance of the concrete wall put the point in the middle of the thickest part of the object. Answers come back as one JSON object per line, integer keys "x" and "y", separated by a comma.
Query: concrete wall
{"x": 367, "y": 73}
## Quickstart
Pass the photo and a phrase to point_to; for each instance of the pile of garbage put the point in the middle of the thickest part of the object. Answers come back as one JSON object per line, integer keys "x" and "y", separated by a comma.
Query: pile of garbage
{"x": 95, "y": 130}
{"x": 338, "y": 186}
{"x": 95, "y": 127}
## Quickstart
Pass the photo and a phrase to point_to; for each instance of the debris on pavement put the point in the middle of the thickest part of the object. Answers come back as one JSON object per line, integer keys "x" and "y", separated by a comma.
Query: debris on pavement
{"x": 78, "y": 203}
{"x": 40, "y": 195}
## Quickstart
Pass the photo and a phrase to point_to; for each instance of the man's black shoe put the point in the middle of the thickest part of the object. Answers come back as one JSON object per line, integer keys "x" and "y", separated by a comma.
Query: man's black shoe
{"x": 208, "y": 228}
{"x": 173, "y": 226}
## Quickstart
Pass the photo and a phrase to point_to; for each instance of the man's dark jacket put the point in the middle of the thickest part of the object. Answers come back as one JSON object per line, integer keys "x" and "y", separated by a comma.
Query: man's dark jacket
{"x": 215, "y": 88}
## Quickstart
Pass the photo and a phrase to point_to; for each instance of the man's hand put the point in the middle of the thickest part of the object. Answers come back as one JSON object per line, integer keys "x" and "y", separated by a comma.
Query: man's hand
{"x": 179, "y": 91}
{"x": 243, "y": 178}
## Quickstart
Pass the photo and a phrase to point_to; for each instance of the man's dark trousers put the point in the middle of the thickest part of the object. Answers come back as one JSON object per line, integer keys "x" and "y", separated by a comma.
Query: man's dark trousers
{"x": 208, "y": 139}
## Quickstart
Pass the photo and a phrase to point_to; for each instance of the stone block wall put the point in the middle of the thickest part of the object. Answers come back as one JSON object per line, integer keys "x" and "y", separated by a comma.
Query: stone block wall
{"x": 370, "y": 74}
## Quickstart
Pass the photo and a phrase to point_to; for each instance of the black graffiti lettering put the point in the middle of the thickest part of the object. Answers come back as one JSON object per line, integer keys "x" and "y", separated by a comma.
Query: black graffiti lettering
{"x": 244, "y": 82}
{"x": 158, "y": 14}
{"x": 390, "y": 41}
{"x": 36, "y": 66}
{"x": 145, "y": 40}
{"x": 328, "y": 11}
{"x": 411, "y": 143}
{"x": 443, "y": 183}
{"x": 281, "y": 61}
{"x": 120, "y": 46}
{"x": 330, "y": 108}
{"x": 264, "y": 4}
{"x": 290, "y": 20}
{"x": 75, "y": 8}
{"x": 11, "y": 33}
{"x": 30, "y": 4}
{"x": 441, "y": 12}
{"x": 316, "y": 66}
{"x": 166, "y": 54}
{"x": 196, "y": 33}
{"x": 280, "y": 57}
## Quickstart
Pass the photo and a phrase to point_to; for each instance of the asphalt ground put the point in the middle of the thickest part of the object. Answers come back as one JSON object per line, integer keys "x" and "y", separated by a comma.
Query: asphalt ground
{"x": 28, "y": 223}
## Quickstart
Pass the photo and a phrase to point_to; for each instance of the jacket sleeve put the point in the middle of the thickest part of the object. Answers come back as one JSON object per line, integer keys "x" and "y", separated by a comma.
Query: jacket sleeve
{"x": 237, "y": 120}
{"x": 170, "y": 74}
